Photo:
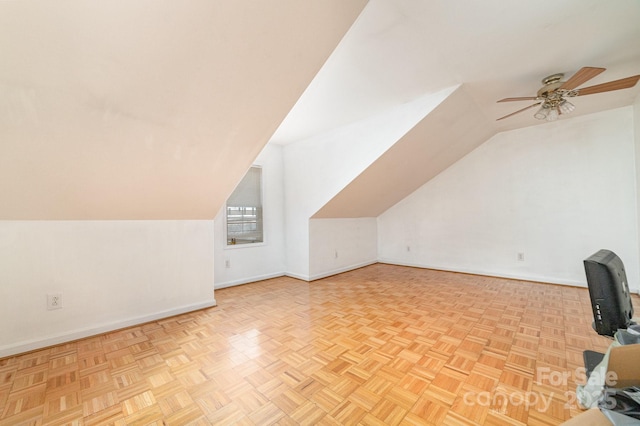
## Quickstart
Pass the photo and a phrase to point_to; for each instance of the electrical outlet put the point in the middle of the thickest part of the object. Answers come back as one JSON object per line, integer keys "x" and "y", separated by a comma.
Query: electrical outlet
{"x": 54, "y": 301}
{"x": 336, "y": 254}
{"x": 227, "y": 263}
{"x": 520, "y": 257}
{"x": 408, "y": 248}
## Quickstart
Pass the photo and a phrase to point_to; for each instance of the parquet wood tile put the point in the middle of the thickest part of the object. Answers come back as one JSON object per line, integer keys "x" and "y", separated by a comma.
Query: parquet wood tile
{"x": 382, "y": 345}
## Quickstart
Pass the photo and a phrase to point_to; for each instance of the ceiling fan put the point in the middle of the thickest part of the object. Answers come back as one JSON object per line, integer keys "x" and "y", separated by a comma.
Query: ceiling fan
{"x": 552, "y": 97}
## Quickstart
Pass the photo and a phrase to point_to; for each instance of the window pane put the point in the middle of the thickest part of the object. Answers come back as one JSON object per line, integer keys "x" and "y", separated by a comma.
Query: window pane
{"x": 244, "y": 210}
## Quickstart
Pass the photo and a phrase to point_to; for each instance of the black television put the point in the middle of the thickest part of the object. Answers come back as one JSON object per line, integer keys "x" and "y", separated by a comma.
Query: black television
{"x": 609, "y": 292}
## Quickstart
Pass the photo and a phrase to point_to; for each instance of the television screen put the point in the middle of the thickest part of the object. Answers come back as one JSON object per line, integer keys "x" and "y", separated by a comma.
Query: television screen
{"x": 609, "y": 292}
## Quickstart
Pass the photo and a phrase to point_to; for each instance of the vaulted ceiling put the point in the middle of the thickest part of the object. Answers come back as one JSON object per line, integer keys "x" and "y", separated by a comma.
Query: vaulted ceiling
{"x": 154, "y": 109}
{"x": 401, "y": 50}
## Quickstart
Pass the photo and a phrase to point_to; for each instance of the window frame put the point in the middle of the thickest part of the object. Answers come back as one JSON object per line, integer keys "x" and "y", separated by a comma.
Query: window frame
{"x": 262, "y": 202}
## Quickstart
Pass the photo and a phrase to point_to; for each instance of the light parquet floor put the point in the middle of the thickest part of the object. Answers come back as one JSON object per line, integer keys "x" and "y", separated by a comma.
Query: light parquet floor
{"x": 382, "y": 345}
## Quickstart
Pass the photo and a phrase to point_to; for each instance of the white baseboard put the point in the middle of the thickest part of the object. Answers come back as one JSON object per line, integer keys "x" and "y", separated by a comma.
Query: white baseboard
{"x": 302, "y": 277}
{"x": 226, "y": 284}
{"x": 341, "y": 270}
{"x": 498, "y": 274}
{"x": 297, "y": 276}
{"x": 40, "y": 343}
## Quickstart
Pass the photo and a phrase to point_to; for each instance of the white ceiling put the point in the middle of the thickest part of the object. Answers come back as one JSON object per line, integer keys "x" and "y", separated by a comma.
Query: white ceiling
{"x": 400, "y": 50}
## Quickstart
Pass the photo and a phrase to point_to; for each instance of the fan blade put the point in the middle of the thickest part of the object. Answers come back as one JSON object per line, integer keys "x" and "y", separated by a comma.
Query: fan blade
{"x": 525, "y": 98}
{"x": 584, "y": 74}
{"x": 623, "y": 83}
{"x": 520, "y": 110}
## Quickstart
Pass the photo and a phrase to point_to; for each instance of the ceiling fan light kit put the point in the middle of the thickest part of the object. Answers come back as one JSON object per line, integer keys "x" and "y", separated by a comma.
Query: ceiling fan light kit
{"x": 546, "y": 113}
{"x": 552, "y": 97}
{"x": 566, "y": 107}
{"x": 550, "y": 111}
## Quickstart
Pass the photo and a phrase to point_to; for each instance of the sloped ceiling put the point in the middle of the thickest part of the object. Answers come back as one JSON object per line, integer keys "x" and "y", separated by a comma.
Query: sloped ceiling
{"x": 148, "y": 109}
{"x": 401, "y": 50}
{"x": 446, "y": 134}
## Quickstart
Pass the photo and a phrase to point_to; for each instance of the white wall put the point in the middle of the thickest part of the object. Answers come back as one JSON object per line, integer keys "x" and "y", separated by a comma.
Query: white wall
{"x": 111, "y": 274}
{"x": 255, "y": 262}
{"x": 556, "y": 192}
{"x": 341, "y": 245}
{"x": 315, "y": 170}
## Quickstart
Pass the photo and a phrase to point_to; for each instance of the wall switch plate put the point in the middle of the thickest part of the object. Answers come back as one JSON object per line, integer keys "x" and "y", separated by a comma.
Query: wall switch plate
{"x": 54, "y": 301}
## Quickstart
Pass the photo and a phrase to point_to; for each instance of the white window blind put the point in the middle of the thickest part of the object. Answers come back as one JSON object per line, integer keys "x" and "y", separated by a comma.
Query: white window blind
{"x": 244, "y": 210}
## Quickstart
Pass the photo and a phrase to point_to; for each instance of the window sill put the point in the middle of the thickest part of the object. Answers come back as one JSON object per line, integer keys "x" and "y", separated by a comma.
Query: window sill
{"x": 242, "y": 246}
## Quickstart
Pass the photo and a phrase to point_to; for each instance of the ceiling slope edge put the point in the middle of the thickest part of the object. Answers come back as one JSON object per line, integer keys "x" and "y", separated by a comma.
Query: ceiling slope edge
{"x": 344, "y": 152}
{"x": 442, "y": 137}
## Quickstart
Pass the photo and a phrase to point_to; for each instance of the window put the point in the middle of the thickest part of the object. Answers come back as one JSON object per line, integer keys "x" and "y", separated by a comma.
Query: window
{"x": 244, "y": 210}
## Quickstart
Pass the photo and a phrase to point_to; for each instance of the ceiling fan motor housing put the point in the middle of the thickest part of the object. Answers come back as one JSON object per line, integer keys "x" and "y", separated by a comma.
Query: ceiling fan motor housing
{"x": 551, "y": 85}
